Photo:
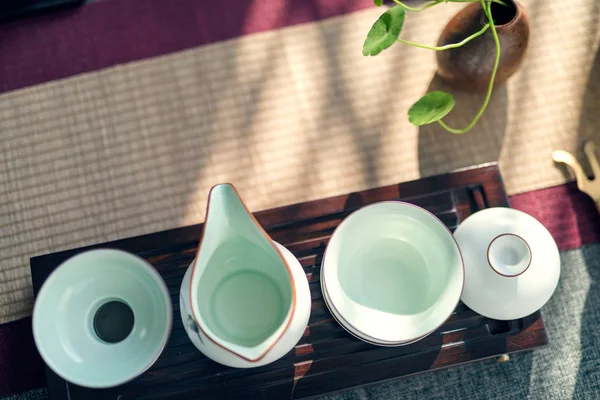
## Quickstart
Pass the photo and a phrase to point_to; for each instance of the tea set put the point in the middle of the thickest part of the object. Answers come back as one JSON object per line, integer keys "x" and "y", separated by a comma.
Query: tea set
{"x": 392, "y": 273}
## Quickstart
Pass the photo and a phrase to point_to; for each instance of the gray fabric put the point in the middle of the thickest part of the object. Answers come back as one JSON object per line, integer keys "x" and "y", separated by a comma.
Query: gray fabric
{"x": 38, "y": 394}
{"x": 568, "y": 368}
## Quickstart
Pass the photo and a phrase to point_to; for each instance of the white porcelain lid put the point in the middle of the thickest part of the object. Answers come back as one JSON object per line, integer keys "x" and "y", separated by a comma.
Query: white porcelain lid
{"x": 512, "y": 263}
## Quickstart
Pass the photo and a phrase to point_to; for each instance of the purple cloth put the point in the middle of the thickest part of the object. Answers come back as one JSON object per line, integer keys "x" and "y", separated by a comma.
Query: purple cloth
{"x": 103, "y": 34}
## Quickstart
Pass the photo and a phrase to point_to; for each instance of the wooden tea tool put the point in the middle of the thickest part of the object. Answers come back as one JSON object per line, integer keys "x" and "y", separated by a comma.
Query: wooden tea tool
{"x": 590, "y": 187}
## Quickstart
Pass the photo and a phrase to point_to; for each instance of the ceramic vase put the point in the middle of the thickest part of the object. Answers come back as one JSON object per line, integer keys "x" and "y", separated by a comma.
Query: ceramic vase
{"x": 469, "y": 67}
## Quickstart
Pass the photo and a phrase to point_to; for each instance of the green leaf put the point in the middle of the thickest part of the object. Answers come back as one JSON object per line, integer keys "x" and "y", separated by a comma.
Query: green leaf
{"x": 430, "y": 108}
{"x": 378, "y": 3}
{"x": 384, "y": 32}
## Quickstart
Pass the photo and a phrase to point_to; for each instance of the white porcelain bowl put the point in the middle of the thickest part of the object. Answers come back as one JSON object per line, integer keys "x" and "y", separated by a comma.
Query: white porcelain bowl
{"x": 392, "y": 272}
{"x": 81, "y": 311}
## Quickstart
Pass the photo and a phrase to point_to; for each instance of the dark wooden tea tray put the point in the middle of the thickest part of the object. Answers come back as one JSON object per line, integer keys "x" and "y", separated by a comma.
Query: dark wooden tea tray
{"x": 327, "y": 358}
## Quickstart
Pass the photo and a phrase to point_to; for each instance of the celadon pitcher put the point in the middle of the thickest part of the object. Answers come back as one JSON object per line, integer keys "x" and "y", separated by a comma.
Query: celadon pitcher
{"x": 244, "y": 300}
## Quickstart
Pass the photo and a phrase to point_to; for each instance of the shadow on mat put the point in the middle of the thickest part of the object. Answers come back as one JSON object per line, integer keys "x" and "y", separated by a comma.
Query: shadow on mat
{"x": 441, "y": 151}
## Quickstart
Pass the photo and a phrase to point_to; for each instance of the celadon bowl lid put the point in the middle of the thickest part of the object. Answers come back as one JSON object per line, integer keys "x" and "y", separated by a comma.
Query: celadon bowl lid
{"x": 512, "y": 263}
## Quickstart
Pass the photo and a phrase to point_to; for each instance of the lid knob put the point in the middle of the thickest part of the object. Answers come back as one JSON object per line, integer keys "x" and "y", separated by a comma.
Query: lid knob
{"x": 509, "y": 255}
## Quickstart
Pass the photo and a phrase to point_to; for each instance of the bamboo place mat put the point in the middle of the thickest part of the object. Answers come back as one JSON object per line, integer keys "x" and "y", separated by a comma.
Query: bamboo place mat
{"x": 287, "y": 115}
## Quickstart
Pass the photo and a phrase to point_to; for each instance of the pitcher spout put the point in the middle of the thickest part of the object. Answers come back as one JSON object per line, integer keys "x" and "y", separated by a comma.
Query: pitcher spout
{"x": 226, "y": 214}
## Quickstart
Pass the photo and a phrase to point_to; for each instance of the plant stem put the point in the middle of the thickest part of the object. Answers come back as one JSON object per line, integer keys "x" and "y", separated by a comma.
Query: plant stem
{"x": 487, "y": 9}
{"x": 474, "y": 1}
{"x": 425, "y": 7}
{"x": 448, "y": 46}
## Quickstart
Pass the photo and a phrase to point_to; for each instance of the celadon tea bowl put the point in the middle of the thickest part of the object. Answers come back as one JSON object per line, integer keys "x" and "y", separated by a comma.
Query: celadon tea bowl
{"x": 350, "y": 329}
{"x": 102, "y": 318}
{"x": 393, "y": 272}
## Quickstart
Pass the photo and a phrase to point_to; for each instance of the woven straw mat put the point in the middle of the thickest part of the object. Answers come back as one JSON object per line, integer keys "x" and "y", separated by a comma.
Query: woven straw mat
{"x": 287, "y": 116}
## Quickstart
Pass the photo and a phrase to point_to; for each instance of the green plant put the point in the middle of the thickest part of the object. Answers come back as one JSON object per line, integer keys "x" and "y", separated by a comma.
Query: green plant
{"x": 434, "y": 105}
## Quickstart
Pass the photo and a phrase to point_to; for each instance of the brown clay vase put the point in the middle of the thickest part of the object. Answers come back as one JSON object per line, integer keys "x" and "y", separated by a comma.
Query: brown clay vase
{"x": 469, "y": 67}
